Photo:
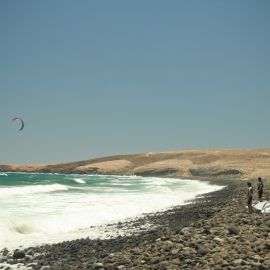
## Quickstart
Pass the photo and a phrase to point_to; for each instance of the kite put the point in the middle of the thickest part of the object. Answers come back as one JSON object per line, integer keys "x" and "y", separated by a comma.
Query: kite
{"x": 19, "y": 119}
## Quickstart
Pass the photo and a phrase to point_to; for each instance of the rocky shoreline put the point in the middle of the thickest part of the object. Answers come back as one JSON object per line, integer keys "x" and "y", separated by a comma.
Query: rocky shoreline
{"x": 213, "y": 232}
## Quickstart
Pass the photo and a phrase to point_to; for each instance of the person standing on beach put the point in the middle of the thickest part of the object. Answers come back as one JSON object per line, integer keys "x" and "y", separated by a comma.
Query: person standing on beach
{"x": 260, "y": 188}
{"x": 249, "y": 198}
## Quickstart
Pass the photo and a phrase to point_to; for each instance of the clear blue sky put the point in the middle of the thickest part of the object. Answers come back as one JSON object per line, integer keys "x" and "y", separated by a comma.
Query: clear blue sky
{"x": 95, "y": 78}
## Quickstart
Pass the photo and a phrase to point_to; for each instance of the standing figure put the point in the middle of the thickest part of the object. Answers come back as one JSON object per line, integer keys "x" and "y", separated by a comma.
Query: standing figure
{"x": 260, "y": 188}
{"x": 249, "y": 197}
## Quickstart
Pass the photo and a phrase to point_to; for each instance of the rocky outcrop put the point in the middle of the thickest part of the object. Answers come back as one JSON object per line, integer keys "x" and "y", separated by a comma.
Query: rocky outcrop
{"x": 216, "y": 172}
{"x": 105, "y": 167}
{"x": 166, "y": 167}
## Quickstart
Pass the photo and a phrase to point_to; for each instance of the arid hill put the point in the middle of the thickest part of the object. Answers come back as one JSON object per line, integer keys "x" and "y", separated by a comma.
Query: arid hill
{"x": 185, "y": 163}
{"x": 229, "y": 164}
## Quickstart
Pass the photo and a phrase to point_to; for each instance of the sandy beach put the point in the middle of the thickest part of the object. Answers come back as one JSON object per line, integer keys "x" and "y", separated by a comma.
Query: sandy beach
{"x": 213, "y": 232}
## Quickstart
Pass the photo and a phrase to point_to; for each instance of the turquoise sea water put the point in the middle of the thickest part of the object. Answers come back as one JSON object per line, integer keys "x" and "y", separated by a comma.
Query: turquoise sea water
{"x": 47, "y": 208}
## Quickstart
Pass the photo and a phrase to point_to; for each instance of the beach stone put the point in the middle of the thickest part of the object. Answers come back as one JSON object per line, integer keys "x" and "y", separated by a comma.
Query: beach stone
{"x": 245, "y": 221}
{"x": 32, "y": 265}
{"x": 186, "y": 231}
{"x": 206, "y": 231}
{"x": 98, "y": 265}
{"x": 121, "y": 267}
{"x": 18, "y": 254}
{"x": 176, "y": 261}
{"x": 201, "y": 250}
{"x": 5, "y": 252}
{"x": 110, "y": 266}
{"x": 155, "y": 260}
{"x": 111, "y": 255}
{"x": 266, "y": 229}
{"x": 263, "y": 267}
{"x": 30, "y": 252}
{"x": 237, "y": 261}
{"x": 267, "y": 223}
{"x": 256, "y": 264}
{"x": 217, "y": 259}
{"x": 224, "y": 263}
{"x": 255, "y": 257}
{"x": 162, "y": 266}
{"x": 233, "y": 229}
{"x": 174, "y": 251}
{"x": 224, "y": 254}
{"x": 47, "y": 267}
{"x": 167, "y": 245}
{"x": 218, "y": 240}
{"x": 259, "y": 222}
{"x": 267, "y": 245}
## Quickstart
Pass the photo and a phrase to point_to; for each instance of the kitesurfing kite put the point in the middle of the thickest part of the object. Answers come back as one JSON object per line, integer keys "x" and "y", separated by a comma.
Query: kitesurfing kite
{"x": 19, "y": 119}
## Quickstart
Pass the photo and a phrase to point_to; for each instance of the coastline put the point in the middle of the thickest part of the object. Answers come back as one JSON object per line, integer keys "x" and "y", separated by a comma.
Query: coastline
{"x": 193, "y": 164}
{"x": 171, "y": 236}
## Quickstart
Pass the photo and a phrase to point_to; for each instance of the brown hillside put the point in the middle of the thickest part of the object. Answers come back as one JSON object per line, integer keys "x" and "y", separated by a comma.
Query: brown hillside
{"x": 185, "y": 163}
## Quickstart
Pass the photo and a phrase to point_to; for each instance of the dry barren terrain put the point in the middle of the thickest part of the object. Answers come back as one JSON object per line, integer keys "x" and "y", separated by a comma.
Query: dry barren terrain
{"x": 238, "y": 164}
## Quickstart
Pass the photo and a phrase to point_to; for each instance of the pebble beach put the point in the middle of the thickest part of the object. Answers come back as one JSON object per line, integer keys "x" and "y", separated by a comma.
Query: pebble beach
{"x": 212, "y": 232}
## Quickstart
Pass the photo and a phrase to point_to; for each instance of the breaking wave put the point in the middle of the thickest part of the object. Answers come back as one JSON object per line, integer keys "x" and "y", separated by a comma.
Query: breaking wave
{"x": 28, "y": 190}
{"x": 48, "y": 208}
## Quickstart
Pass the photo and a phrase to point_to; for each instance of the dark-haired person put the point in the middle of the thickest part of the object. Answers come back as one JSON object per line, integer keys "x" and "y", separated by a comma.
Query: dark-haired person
{"x": 260, "y": 188}
{"x": 249, "y": 197}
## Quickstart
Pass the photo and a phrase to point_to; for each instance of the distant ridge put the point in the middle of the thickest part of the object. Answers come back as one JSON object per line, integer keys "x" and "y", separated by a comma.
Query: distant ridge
{"x": 219, "y": 163}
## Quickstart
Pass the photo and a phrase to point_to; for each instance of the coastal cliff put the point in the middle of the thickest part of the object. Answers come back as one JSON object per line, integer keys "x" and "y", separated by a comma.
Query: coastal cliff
{"x": 216, "y": 164}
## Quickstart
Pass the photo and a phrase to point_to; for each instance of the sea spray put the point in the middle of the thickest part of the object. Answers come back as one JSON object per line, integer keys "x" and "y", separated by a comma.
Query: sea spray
{"x": 48, "y": 208}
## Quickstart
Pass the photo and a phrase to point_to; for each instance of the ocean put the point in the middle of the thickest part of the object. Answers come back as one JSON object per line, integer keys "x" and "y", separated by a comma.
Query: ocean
{"x": 40, "y": 208}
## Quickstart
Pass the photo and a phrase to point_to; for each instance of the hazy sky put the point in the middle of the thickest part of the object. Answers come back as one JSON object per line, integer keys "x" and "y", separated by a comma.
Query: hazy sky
{"x": 95, "y": 78}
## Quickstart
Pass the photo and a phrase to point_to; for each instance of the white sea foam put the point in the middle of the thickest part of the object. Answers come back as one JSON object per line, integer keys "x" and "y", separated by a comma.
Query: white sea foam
{"x": 79, "y": 180}
{"x": 38, "y": 214}
{"x": 26, "y": 190}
